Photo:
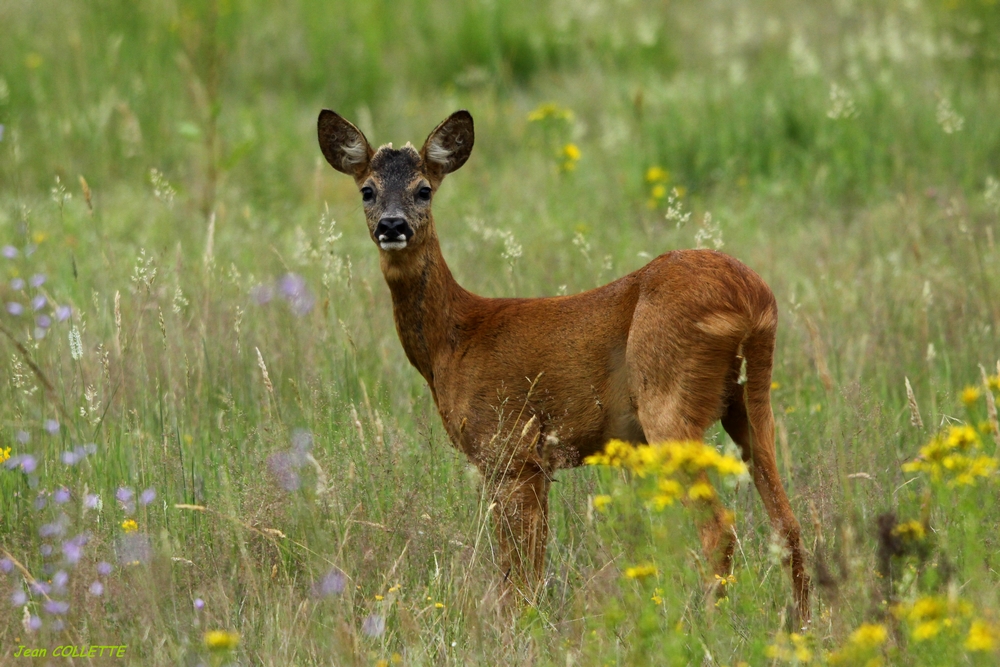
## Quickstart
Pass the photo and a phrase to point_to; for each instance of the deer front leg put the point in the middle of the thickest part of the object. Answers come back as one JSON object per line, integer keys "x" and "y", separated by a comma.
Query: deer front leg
{"x": 520, "y": 518}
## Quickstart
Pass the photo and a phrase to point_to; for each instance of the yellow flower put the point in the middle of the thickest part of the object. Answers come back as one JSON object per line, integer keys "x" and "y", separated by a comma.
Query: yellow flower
{"x": 982, "y": 637}
{"x": 701, "y": 491}
{"x": 571, "y": 152}
{"x": 657, "y": 596}
{"x": 926, "y": 630}
{"x": 993, "y": 382}
{"x": 395, "y": 588}
{"x": 659, "y": 191}
{"x": 130, "y": 526}
{"x": 439, "y": 605}
{"x": 657, "y": 175}
{"x": 869, "y": 635}
{"x": 4, "y": 454}
{"x": 550, "y": 110}
{"x": 911, "y": 530}
{"x": 382, "y": 663}
{"x": 640, "y": 571}
{"x": 725, "y": 581}
{"x": 775, "y": 386}
{"x": 221, "y": 640}
{"x": 970, "y": 395}
{"x": 379, "y": 598}
{"x": 602, "y": 501}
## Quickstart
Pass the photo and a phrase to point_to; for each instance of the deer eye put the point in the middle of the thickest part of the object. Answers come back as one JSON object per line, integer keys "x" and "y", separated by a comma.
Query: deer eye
{"x": 367, "y": 194}
{"x": 424, "y": 193}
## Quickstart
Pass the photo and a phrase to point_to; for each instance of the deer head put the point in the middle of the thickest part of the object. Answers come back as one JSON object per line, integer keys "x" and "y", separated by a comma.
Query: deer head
{"x": 397, "y": 185}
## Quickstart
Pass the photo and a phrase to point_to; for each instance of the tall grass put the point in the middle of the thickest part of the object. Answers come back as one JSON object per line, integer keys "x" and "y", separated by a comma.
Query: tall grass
{"x": 238, "y": 358}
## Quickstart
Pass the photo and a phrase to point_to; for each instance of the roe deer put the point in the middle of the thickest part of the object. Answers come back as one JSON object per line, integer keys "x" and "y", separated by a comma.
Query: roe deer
{"x": 653, "y": 356}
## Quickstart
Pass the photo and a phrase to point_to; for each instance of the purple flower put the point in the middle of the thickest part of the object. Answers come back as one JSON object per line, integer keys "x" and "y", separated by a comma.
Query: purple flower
{"x": 40, "y": 588}
{"x": 8, "y": 251}
{"x": 262, "y": 294}
{"x": 39, "y": 302}
{"x": 38, "y": 280}
{"x": 61, "y": 496}
{"x": 72, "y": 552}
{"x": 124, "y": 494}
{"x": 374, "y": 625}
{"x": 63, "y": 313}
{"x": 59, "y": 580}
{"x": 56, "y": 607}
{"x": 96, "y": 588}
{"x": 148, "y": 496}
{"x": 19, "y": 598}
{"x": 104, "y": 568}
{"x": 28, "y": 464}
{"x": 199, "y": 604}
{"x": 332, "y": 583}
{"x": 52, "y": 426}
{"x": 70, "y": 458}
{"x": 91, "y": 501}
{"x": 46, "y": 550}
{"x": 14, "y": 308}
{"x": 43, "y": 321}
{"x": 291, "y": 285}
{"x": 51, "y": 529}
{"x": 133, "y": 548}
{"x": 282, "y": 467}
{"x": 302, "y": 441}
{"x": 6, "y": 565}
{"x": 90, "y": 448}
{"x": 17, "y": 284}
{"x": 34, "y": 623}
{"x": 23, "y": 437}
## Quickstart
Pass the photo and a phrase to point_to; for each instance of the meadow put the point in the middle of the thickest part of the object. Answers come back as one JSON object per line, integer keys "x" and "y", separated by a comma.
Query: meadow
{"x": 216, "y": 452}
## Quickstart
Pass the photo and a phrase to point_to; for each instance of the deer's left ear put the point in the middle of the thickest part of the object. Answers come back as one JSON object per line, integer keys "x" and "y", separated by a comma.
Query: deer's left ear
{"x": 449, "y": 145}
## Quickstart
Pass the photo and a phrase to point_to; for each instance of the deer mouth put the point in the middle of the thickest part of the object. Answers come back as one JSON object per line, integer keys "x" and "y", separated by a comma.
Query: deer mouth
{"x": 386, "y": 244}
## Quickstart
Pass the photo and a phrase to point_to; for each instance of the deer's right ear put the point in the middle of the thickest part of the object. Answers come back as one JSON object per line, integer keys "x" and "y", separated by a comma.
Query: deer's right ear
{"x": 343, "y": 145}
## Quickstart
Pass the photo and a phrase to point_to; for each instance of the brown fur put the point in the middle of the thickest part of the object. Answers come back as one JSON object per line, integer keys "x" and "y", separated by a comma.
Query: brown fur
{"x": 528, "y": 386}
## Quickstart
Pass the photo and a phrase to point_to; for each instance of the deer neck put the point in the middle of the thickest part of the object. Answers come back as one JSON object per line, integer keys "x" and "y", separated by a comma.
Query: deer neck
{"x": 427, "y": 302}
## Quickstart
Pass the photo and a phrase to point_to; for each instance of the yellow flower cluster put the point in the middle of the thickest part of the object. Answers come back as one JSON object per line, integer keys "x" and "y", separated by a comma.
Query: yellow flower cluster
{"x": 130, "y": 526}
{"x": 955, "y": 457}
{"x": 970, "y": 395}
{"x": 569, "y": 156}
{"x": 912, "y": 531}
{"x": 550, "y": 111}
{"x": 4, "y": 454}
{"x": 861, "y": 647}
{"x": 791, "y": 648}
{"x": 657, "y": 178}
{"x": 667, "y": 461}
{"x": 928, "y": 616}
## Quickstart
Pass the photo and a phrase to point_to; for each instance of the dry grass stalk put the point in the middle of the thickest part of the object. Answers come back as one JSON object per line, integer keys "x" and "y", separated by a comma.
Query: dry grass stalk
{"x": 915, "y": 419}
{"x": 991, "y": 406}
{"x": 263, "y": 370}
{"x": 819, "y": 354}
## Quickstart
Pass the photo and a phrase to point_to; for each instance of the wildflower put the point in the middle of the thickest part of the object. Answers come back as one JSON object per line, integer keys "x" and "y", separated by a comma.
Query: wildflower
{"x": 221, "y": 640}
{"x": 373, "y": 625}
{"x": 4, "y": 454}
{"x": 130, "y": 526}
{"x": 43, "y": 321}
{"x": 993, "y": 382}
{"x": 63, "y": 313}
{"x": 104, "y": 568}
{"x": 332, "y": 583}
{"x": 262, "y": 294}
{"x": 789, "y": 648}
{"x": 570, "y": 155}
{"x": 657, "y": 596}
{"x": 982, "y": 637}
{"x": 17, "y": 284}
{"x": 96, "y": 588}
{"x": 601, "y": 501}
{"x": 725, "y": 581}
{"x": 701, "y": 491}
{"x": 282, "y": 466}
{"x": 657, "y": 175}
{"x": 61, "y": 496}
{"x": 38, "y": 302}
{"x": 439, "y": 605}
{"x": 640, "y": 571}
{"x": 910, "y": 530}
{"x": 37, "y": 280}
{"x": 8, "y": 251}
{"x": 124, "y": 494}
{"x": 51, "y": 426}
{"x": 92, "y": 501}
{"x": 970, "y": 395}
{"x": 550, "y": 110}
{"x": 59, "y": 580}
{"x": 869, "y": 635}
{"x": 148, "y": 496}
{"x": 6, "y": 565}
{"x": 56, "y": 607}
{"x": 19, "y": 598}
{"x": 73, "y": 548}
{"x": 14, "y": 308}
{"x": 926, "y": 630}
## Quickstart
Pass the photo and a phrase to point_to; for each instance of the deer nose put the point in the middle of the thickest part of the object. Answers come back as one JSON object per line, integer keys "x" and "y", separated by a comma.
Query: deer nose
{"x": 393, "y": 229}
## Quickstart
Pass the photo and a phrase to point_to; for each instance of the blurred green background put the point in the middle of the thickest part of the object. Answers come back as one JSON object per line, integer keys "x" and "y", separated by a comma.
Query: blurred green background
{"x": 846, "y": 151}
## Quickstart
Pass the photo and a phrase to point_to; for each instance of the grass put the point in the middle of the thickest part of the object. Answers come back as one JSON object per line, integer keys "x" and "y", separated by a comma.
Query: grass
{"x": 875, "y": 227}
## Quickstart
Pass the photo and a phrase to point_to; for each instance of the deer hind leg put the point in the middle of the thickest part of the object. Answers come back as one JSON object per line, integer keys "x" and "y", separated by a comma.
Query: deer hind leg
{"x": 750, "y": 422}
{"x": 673, "y": 420}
